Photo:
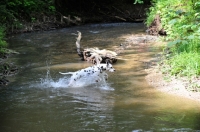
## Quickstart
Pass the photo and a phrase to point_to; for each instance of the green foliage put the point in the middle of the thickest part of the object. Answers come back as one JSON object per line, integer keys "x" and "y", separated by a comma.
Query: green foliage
{"x": 3, "y": 43}
{"x": 138, "y": 1}
{"x": 14, "y": 11}
{"x": 181, "y": 20}
{"x": 183, "y": 64}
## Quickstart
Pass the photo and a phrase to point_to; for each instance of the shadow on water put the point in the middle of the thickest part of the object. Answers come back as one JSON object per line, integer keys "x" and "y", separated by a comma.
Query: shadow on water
{"x": 37, "y": 99}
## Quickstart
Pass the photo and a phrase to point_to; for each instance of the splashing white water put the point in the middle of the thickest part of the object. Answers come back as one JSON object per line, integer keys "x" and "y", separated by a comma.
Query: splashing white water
{"x": 48, "y": 82}
{"x": 63, "y": 81}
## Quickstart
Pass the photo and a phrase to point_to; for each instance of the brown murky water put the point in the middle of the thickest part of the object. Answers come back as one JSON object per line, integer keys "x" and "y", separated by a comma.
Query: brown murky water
{"x": 37, "y": 99}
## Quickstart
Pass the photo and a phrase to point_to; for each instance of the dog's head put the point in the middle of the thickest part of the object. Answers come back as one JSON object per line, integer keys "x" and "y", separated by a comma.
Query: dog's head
{"x": 107, "y": 67}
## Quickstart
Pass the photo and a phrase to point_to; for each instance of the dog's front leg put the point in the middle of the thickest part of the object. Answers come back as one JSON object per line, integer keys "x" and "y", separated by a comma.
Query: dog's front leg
{"x": 98, "y": 79}
{"x": 69, "y": 84}
{"x": 105, "y": 76}
{"x": 84, "y": 57}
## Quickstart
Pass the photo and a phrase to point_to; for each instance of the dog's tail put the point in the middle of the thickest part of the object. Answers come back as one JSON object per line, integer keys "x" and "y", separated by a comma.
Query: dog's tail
{"x": 66, "y": 73}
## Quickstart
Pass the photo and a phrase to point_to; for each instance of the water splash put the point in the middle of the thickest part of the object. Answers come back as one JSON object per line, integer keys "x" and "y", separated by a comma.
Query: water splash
{"x": 63, "y": 81}
{"x": 48, "y": 82}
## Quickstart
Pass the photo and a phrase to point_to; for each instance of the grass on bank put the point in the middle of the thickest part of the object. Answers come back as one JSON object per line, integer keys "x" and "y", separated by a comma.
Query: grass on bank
{"x": 183, "y": 64}
{"x": 181, "y": 20}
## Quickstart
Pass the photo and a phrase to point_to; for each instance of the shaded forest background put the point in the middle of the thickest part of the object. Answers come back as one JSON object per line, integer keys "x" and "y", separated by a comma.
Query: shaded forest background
{"x": 32, "y": 15}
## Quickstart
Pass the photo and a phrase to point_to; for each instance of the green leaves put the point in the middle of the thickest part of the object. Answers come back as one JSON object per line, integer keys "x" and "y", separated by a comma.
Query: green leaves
{"x": 172, "y": 43}
{"x": 191, "y": 37}
{"x": 197, "y": 5}
{"x": 173, "y": 21}
{"x": 52, "y": 8}
{"x": 138, "y": 1}
{"x": 2, "y": 42}
{"x": 181, "y": 20}
{"x": 12, "y": 11}
{"x": 15, "y": 12}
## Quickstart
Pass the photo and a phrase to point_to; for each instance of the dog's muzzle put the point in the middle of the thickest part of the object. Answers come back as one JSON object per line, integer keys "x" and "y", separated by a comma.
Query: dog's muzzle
{"x": 112, "y": 70}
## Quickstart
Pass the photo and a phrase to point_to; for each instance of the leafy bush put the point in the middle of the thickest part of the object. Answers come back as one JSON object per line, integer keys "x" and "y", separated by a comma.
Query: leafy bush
{"x": 2, "y": 35}
{"x": 181, "y": 20}
{"x": 3, "y": 43}
{"x": 13, "y": 11}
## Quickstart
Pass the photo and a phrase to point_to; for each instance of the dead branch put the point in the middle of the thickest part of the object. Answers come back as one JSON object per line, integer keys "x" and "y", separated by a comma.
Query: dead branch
{"x": 78, "y": 44}
{"x": 75, "y": 21}
{"x": 94, "y": 55}
{"x": 120, "y": 18}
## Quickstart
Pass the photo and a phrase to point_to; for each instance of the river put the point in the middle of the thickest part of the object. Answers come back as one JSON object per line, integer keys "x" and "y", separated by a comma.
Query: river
{"x": 37, "y": 99}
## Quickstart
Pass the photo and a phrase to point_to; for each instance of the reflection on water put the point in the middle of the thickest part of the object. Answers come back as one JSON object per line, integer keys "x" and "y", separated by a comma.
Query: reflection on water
{"x": 37, "y": 99}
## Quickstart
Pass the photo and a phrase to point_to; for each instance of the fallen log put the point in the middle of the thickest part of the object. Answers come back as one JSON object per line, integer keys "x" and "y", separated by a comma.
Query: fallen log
{"x": 94, "y": 55}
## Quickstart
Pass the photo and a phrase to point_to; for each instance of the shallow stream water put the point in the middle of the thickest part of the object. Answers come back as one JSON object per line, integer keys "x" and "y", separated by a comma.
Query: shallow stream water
{"x": 37, "y": 99}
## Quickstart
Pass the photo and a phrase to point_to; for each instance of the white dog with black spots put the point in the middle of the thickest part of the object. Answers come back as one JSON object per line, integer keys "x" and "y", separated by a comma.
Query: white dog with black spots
{"x": 97, "y": 72}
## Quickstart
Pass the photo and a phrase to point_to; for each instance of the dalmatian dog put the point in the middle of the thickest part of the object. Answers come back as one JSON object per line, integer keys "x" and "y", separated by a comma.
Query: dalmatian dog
{"x": 97, "y": 72}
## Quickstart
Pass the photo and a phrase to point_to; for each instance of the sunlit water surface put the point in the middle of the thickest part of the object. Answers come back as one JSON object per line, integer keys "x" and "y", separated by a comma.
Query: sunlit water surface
{"x": 38, "y": 100}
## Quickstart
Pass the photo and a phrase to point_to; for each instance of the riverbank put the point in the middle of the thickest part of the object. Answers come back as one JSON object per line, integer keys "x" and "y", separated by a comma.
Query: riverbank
{"x": 7, "y": 68}
{"x": 164, "y": 83}
{"x": 171, "y": 85}
{"x": 179, "y": 86}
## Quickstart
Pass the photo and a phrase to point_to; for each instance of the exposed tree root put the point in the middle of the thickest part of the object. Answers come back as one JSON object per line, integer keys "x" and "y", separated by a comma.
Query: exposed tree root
{"x": 156, "y": 28}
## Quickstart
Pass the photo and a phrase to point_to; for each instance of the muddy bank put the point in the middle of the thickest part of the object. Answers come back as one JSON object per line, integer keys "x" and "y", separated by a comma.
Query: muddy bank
{"x": 171, "y": 85}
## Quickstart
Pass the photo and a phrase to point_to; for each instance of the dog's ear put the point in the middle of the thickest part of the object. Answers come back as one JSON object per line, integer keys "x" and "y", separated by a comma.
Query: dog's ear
{"x": 108, "y": 62}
